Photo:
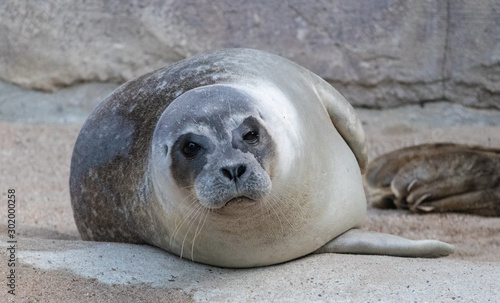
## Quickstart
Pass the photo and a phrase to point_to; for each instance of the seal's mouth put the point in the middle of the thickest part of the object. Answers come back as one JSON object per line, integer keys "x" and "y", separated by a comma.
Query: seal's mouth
{"x": 239, "y": 199}
{"x": 230, "y": 202}
{"x": 233, "y": 205}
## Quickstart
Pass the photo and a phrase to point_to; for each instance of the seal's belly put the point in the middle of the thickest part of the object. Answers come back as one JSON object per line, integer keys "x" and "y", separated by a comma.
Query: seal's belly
{"x": 292, "y": 224}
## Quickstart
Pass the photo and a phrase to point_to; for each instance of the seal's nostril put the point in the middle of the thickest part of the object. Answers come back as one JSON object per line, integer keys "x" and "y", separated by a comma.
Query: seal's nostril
{"x": 233, "y": 172}
{"x": 226, "y": 173}
{"x": 241, "y": 170}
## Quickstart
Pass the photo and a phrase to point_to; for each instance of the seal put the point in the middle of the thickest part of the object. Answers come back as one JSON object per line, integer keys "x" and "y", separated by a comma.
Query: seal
{"x": 442, "y": 177}
{"x": 234, "y": 158}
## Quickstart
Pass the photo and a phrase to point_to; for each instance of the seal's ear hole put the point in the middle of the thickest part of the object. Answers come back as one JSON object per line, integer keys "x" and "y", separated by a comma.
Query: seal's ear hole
{"x": 166, "y": 150}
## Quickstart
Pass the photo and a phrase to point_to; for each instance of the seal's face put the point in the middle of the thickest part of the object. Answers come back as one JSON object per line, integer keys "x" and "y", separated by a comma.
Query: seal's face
{"x": 213, "y": 143}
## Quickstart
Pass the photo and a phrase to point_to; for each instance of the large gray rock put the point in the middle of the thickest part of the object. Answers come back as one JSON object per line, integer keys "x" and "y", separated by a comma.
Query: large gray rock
{"x": 472, "y": 67}
{"x": 377, "y": 53}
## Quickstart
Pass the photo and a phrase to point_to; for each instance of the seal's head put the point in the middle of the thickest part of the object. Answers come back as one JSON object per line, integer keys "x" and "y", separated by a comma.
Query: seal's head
{"x": 212, "y": 143}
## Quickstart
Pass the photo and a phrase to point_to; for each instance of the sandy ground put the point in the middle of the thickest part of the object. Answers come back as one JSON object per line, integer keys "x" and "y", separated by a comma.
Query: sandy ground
{"x": 54, "y": 265}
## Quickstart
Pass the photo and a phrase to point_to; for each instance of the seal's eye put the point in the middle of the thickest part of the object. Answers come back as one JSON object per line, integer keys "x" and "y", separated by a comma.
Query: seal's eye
{"x": 191, "y": 149}
{"x": 252, "y": 137}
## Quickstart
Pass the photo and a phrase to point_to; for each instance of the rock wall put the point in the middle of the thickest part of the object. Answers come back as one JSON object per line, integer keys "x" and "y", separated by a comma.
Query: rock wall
{"x": 380, "y": 53}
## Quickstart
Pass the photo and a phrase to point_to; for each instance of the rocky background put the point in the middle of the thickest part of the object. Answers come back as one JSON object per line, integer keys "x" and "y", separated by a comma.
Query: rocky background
{"x": 379, "y": 54}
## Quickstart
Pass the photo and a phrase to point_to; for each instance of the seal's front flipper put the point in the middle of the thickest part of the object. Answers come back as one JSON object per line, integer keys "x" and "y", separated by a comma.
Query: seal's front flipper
{"x": 357, "y": 241}
{"x": 344, "y": 118}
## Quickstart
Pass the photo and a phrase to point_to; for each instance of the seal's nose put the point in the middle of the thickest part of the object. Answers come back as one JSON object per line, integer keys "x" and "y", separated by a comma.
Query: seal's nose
{"x": 233, "y": 172}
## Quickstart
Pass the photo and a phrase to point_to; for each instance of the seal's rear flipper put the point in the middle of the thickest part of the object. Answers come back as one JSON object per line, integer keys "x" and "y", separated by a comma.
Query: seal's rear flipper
{"x": 441, "y": 177}
{"x": 357, "y": 241}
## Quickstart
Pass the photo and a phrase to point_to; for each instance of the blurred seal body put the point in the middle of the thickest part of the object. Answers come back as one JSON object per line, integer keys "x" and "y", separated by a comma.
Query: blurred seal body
{"x": 234, "y": 158}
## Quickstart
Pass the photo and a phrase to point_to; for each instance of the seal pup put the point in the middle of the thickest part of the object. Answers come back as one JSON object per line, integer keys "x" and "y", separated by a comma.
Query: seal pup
{"x": 443, "y": 177}
{"x": 233, "y": 158}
